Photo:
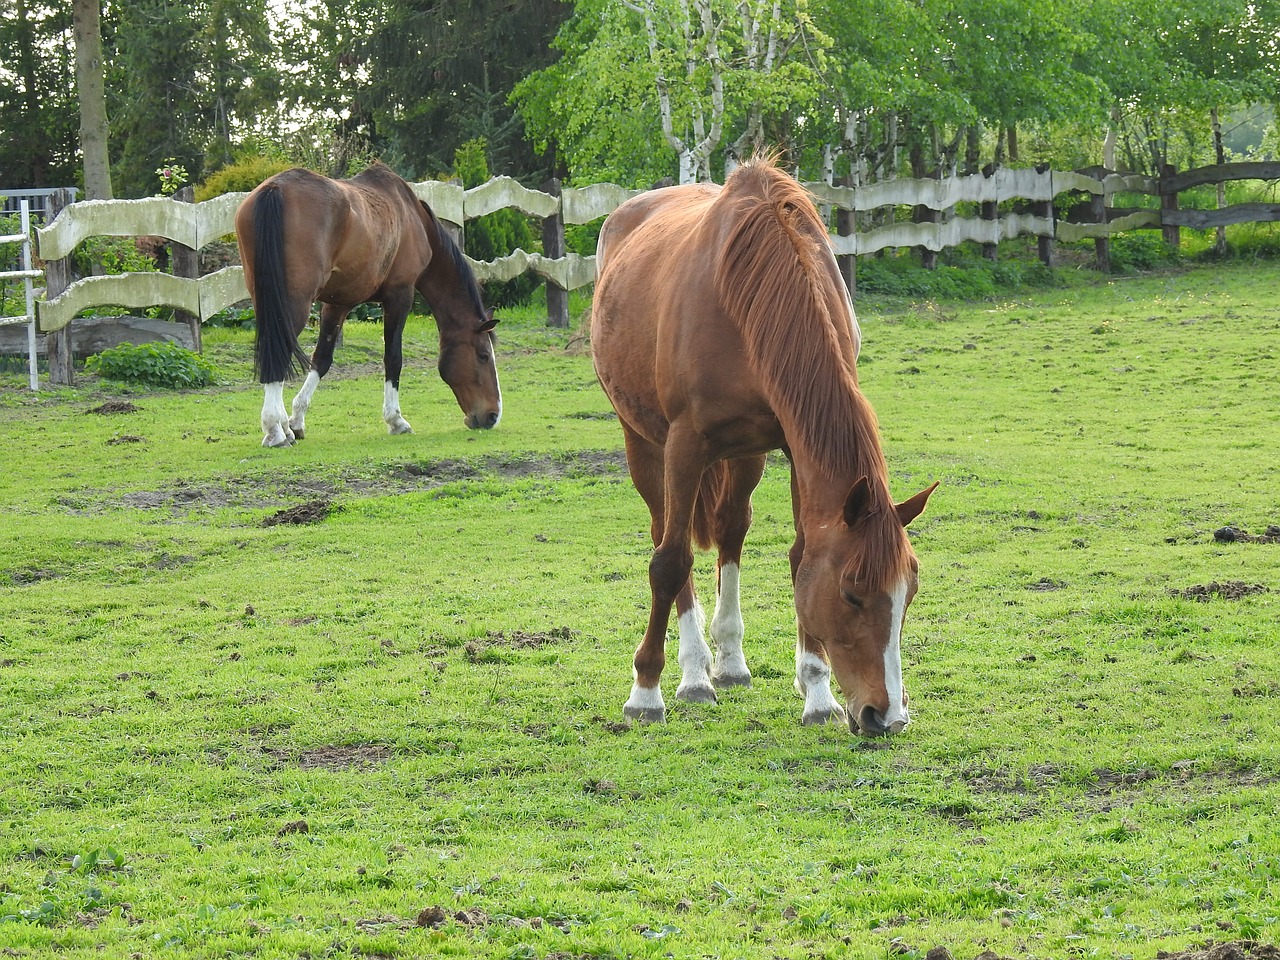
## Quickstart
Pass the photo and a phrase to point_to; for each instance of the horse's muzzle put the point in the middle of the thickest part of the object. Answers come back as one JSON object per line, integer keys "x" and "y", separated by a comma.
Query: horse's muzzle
{"x": 870, "y": 722}
{"x": 483, "y": 422}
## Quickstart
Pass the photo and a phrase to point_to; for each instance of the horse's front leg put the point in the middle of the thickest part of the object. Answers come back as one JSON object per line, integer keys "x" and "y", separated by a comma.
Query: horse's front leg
{"x": 331, "y": 319}
{"x": 276, "y": 431}
{"x": 395, "y": 311}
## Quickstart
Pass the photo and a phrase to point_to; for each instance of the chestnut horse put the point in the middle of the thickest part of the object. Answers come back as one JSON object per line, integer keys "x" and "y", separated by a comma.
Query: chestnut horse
{"x": 304, "y": 237}
{"x": 721, "y": 330}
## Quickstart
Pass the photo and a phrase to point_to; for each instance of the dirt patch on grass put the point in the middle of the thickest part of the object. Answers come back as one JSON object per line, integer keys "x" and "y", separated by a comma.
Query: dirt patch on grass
{"x": 313, "y": 511}
{"x": 359, "y": 756}
{"x": 114, "y": 406}
{"x": 281, "y": 492}
{"x": 515, "y": 640}
{"x": 1236, "y": 535}
{"x": 1230, "y": 590}
{"x": 1237, "y": 950}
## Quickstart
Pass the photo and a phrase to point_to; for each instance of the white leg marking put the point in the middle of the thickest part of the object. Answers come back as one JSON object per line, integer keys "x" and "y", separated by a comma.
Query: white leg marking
{"x": 275, "y": 419}
{"x": 391, "y": 410}
{"x": 302, "y": 402}
{"x": 695, "y": 658}
{"x": 813, "y": 682}
{"x": 897, "y": 718}
{"x": 727, "y": 630}
{"x": 645, "y": 703}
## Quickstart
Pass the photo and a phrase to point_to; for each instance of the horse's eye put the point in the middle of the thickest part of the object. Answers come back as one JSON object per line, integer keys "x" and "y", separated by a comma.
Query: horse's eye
{"x": 482, "y": 356}
{"x": 850, "y": 599}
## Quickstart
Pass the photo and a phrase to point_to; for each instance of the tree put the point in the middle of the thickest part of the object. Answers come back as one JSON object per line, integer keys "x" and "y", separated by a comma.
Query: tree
{"x": 38, "y": 111}
{"x": 647, "y": 77}
{"x": 94, "y": 131}
{"x": 440, "y": 74}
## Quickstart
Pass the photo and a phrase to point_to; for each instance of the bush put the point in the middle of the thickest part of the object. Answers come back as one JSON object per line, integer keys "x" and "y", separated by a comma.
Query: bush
{"x": 1133, "y": 252}
{"x": 153, "y": 365}
{"x": 241, "y": 177}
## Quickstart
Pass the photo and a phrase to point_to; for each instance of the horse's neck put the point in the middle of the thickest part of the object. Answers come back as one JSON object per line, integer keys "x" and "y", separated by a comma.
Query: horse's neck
{"x": 822, "y": 493}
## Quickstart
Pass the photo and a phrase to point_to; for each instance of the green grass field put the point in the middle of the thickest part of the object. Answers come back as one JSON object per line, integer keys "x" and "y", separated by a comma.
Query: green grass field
{"x": 397, "y": 731}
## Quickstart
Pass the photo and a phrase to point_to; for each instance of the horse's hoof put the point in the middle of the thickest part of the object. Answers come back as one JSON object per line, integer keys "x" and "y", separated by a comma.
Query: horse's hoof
{"x": 818, "y": 718}
{"x": 398, "y": 426}
{"x": 298, "y": 433}
{"x": 725, "y": 681}
{"x": 696, "y": 694}
{"x": 645, "y": 714}
{"x": 277, "y": 440}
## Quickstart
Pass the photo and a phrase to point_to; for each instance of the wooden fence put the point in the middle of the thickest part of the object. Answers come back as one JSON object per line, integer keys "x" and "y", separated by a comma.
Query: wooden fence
{"x": 1007, "y": 202}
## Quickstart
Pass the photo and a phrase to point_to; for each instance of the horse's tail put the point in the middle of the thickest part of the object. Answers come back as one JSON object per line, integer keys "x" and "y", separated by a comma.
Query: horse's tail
{"x": 276, "y": 353}
{"x": 715, "y": 481}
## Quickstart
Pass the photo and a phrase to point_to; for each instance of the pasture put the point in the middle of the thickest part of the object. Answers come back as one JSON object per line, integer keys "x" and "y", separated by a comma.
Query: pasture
{"x": 394, "y": 727}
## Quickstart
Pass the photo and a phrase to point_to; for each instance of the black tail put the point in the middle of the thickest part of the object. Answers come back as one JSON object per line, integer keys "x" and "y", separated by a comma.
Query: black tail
{"x": 276, "y": 353}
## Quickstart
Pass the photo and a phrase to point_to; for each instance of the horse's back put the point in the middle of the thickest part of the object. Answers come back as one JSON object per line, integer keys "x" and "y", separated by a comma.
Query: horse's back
{"x": 347, "y": 239}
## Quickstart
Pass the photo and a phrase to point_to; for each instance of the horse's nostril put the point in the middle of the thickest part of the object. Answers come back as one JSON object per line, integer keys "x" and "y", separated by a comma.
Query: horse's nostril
{"x": 493, "y": 419}
{"x": 871, "y": 722}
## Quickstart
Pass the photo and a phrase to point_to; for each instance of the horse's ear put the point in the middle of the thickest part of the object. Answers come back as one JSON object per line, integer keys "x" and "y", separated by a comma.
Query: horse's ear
{"x": 908, "y": 510}
{"x": 490, "y": 321}
{"x": 858, "y": 504}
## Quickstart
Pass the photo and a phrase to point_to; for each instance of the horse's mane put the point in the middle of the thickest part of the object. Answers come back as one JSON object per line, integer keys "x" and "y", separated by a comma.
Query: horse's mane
{"x": 465, "y": 274}
{"x": 771, "y": 280}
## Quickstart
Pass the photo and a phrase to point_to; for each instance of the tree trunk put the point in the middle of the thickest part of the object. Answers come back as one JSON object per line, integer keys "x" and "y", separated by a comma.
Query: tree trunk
{"x": 1220, "y": 248}
{"x": 93, "y": 101}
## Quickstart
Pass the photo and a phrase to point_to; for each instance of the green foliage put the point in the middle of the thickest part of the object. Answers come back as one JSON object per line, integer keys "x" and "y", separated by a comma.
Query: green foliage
{"x": 160, "y": 364}
{"x": 1140, "y": 250}
{"x": 241, "y": 176}
{"x": 496, "y": 234}
{"x": 111, "y": 255}
{"x": 961, "y": 276}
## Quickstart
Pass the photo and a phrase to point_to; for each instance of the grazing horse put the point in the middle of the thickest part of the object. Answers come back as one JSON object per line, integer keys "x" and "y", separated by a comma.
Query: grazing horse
{"x": 721, "y": 329}
{"x": 304, "y": 237}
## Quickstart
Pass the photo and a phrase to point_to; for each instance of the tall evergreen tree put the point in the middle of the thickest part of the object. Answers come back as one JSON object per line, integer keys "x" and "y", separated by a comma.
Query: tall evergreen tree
{"x": 38, "y": 111}
{"x": 441, "y": 73}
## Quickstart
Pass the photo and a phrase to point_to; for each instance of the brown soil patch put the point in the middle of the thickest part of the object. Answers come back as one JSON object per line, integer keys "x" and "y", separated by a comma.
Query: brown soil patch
{"x": 1238, "y": 950}
{"x": 313, "y": 511}
{"x": 359, "y": 756}
{"x": 255, "y": 493}
{"x": 1236, "y": 535}
{"x": 1230, "y": 590}
{"x": 516, "y": 639}
{"x": 123, "y": 438}
{"x": 114, "y": 406}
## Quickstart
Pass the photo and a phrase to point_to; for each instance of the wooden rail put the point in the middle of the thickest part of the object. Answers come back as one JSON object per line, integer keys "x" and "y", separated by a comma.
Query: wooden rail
{"x": 1014, "y": 202}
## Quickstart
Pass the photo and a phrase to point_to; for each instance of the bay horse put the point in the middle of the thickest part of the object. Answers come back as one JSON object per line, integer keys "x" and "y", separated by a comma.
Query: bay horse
{"x": 722, "y": 329}
{"x": 305, "y": 238}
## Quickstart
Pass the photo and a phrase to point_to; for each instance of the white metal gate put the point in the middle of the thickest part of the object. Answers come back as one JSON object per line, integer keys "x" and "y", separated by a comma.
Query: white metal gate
{"x": 26, "y": 274}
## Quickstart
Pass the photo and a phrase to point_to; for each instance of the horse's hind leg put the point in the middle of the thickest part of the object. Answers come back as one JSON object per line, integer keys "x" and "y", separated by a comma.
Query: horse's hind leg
{"x": 331, "y": 319}
{"x": 732, "y": 518}
{"x": 395, "y": 311}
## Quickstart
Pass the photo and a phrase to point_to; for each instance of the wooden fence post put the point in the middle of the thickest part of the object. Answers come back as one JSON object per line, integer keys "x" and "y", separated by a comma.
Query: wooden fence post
{"x": 1044, "y": 208}
{"x": 185, "y": 262}
{"x": 1169, "y": 201}
{"x": 553, "y": 248}
{"x": 1101, "y": 245}
{"x": 989, "y": 210}
{"x": 847, "y": 226}
{"x": 57, "y": 276}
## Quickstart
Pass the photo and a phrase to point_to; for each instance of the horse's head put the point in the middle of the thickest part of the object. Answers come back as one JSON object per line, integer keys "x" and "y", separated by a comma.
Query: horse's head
{"x": 468, "y": 365}
{"x": 854, "y": 583}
